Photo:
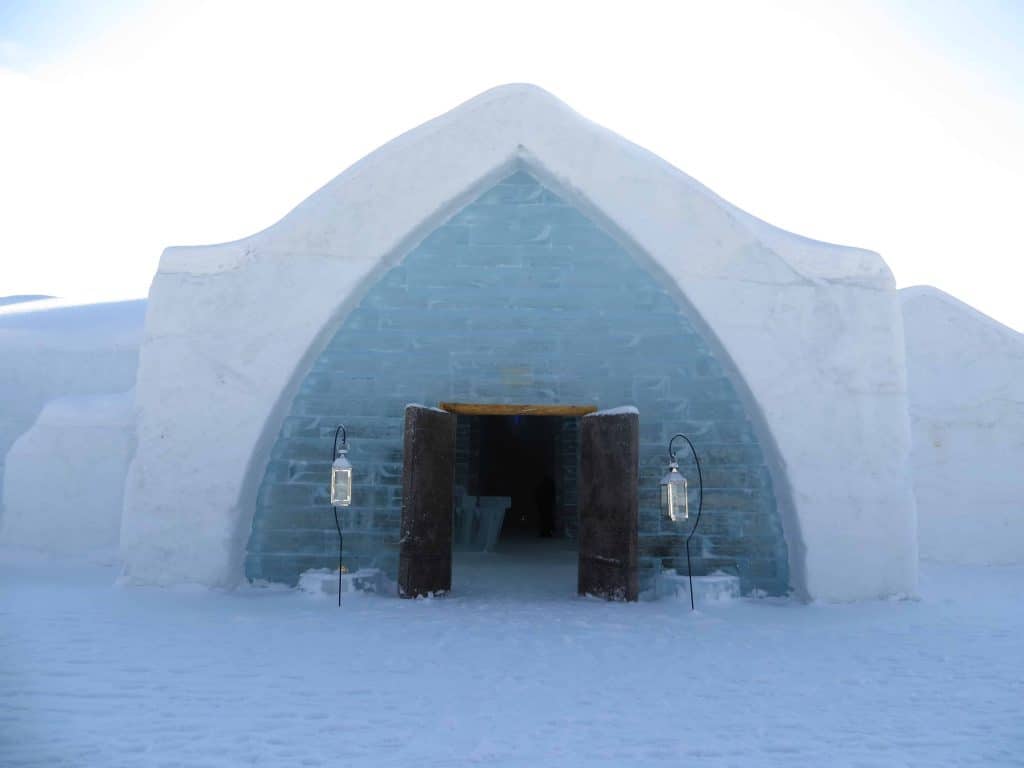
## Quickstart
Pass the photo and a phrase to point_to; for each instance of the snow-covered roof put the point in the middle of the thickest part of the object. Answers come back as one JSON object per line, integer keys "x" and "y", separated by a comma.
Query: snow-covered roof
{"x": 410, "y": 183}
{"x": 67, "y": 323}
{"x": 953, "y": 305}
{"x": 965, "y": 377}
{"x": 959, "y": 358}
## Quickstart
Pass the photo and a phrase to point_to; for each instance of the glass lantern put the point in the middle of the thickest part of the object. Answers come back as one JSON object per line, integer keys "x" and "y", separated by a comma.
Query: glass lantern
{"x": 341, "y": 480}
{"x": 675, "y": 499}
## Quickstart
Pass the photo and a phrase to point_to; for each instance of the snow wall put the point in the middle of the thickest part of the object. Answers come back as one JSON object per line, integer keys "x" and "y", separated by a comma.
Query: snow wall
{"x": 55, "y": 348}
{"x": 809, "y": 333}
{"x": 966, "y": 378}
{"x": 65, "y": 478}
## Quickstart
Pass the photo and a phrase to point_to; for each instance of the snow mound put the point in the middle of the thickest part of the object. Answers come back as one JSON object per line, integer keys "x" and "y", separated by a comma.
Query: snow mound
{"x": 65, "y": 478}
{"x": 966, "y": 384}
{"x": 52, "y": 348}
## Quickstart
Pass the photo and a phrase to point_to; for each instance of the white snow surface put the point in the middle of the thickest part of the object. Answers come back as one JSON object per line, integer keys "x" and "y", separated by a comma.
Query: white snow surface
{"x": 966, "y": 386}
{"x": 52, "y": 348}
{"x": 811, "y": 332}
{"x": 507, "y": 672}
{"x": 622, "y": 410}
{"x": 64, "y": 478}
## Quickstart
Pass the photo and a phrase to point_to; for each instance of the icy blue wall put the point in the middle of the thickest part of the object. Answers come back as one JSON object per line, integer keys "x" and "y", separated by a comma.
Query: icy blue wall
{"x": 519, "y": 298}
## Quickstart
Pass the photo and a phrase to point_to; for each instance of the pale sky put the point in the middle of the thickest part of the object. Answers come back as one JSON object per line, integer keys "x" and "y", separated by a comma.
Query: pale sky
{"x": 126, "y": 127}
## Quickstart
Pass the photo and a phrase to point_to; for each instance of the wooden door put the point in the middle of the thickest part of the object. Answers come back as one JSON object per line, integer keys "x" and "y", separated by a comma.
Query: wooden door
{"x": 608, "y": 502}
{"x": 428, "y": 476}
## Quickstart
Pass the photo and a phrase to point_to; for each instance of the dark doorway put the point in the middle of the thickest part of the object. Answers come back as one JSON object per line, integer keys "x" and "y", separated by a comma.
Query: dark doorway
{"x": 518, "y": 460}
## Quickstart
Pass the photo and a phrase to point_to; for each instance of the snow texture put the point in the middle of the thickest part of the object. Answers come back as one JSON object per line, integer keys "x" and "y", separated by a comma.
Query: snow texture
{"x": 622, "y": 410}
{"x": 811, "y": 331}
{"x": 65, "y": 478}
{"x": 425, "y": 407}
{"x": 139, "y": 677}
{"x": 715, "y": 587}
{"x": 966, "y": 381}
{"x": 51, "y": 348}
{"x": 319, "y": 582}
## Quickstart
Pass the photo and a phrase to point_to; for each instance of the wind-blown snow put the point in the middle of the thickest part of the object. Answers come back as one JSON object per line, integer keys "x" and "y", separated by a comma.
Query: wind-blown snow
{"x": 100, "y": 676}
{"x": 965, "y": 377}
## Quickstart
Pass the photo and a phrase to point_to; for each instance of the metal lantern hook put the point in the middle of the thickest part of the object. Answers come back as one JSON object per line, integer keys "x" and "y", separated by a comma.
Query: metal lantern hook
{"x": 341, "y": 489}
{"x": 700, "y": 501}
{"x": 672, "y": 453}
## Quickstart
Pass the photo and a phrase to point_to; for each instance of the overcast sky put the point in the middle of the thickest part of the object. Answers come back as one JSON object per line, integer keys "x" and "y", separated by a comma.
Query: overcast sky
{"x": 126, "y": 127}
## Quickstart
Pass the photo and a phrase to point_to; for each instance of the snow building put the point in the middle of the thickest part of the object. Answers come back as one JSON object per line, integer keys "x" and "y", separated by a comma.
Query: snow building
{"x": 515, "y": 268}
{"x": 966, "y": 386}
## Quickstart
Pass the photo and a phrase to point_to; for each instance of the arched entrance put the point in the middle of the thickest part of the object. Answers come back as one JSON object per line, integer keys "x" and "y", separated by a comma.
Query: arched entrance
{"x": 519, "y": 297}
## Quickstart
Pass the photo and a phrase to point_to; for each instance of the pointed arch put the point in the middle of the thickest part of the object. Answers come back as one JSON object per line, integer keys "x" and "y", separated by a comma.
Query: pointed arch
{"x": 575, "y": 255}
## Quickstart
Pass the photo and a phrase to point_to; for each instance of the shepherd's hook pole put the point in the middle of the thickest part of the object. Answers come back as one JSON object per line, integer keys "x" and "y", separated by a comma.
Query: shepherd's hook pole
{"x": 344, "y": 441}
{"x": 700, "y": 505}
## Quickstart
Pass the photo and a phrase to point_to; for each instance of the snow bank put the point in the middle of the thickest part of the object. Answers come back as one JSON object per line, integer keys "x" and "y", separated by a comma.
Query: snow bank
{"x": 51, "y": 348}
{"x": 811, "y": 332}
{"x": 65, "y": 477}
{"x": 966, "y": 378}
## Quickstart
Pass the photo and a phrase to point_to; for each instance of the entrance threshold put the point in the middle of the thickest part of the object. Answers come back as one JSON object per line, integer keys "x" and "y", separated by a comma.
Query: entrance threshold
{"x": 520, "y": 568}
{"x": 505, "y": 409}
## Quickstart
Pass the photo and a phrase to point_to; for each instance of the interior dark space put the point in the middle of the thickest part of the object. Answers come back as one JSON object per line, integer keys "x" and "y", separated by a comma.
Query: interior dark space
{"x": 527, "y": 466}
{"x": 517, "y": 459}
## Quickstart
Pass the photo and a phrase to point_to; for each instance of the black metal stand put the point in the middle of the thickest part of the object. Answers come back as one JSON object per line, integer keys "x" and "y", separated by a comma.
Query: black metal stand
{"x": 337, "y": 522}
{"x": 700, "y": 505}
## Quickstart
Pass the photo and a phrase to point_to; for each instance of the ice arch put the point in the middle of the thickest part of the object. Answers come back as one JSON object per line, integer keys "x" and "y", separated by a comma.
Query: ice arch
{"x": 517, "y": 298}
{"x": 813, "y": 329}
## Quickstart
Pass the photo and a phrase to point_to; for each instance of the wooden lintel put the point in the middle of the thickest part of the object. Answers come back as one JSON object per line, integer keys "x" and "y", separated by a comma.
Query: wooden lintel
{"x": 505, "y": 409}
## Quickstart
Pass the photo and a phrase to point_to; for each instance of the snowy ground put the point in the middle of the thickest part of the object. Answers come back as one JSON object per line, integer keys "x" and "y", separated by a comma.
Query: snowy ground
{"x": 94, "y": 675}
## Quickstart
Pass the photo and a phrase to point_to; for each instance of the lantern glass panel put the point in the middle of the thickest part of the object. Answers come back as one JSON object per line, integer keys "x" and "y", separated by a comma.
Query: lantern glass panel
{"x": 341, "y": 482}
{"x": 674, "y": 501}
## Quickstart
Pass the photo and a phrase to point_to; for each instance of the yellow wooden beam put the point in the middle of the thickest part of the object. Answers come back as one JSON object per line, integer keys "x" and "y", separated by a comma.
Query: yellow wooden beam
{"x": 505, "y": 409}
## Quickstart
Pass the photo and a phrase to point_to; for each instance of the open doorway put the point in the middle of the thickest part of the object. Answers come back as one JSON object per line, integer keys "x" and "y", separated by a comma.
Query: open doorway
{"x": 516, "y": 477}
{"x": 519, "y": 460}
{"x": 585, "y": 525}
